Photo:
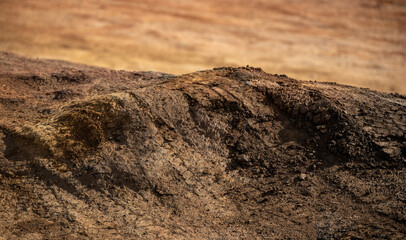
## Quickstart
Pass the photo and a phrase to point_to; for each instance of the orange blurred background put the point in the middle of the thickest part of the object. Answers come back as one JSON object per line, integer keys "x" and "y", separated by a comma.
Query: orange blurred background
{"x": 356, "y": 42}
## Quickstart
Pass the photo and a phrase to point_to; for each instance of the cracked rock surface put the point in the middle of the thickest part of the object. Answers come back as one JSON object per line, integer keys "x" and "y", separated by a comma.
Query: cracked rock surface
{"x": 228, "y": 153}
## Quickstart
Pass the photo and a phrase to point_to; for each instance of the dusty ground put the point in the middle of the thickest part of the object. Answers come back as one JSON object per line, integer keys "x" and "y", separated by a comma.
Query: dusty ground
{"x": 357, "y": 42}
{"x": 230, "y": 153}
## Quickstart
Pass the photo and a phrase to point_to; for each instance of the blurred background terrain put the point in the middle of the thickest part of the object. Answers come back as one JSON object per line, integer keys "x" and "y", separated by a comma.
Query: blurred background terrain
{"x": 357, "y": 42}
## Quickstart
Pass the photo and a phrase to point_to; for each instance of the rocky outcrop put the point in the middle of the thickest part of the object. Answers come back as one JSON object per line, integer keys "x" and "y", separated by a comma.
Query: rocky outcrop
{"x": 228, "y": 153}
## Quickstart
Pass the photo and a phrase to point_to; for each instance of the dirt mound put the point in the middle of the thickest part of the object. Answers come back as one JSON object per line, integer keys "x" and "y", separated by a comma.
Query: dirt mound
{"x": 228, "y": 153}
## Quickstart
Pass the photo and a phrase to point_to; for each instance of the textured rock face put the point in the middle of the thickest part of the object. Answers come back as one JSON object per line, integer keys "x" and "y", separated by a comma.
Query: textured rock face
{"x": 229, "y": 153}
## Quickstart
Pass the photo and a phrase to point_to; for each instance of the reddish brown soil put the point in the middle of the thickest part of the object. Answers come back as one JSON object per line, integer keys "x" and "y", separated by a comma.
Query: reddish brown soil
{"x": 229, "y": 153}
{"x": 357, "y": 42}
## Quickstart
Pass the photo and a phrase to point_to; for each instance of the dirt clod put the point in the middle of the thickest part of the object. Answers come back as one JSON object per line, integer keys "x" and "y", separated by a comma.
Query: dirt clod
{"x": 229, "y": 153}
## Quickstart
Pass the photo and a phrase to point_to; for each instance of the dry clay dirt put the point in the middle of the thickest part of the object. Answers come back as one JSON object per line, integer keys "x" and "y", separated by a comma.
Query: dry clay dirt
{"x": 228, "y": 153}
{"x": 357, "y": 42}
